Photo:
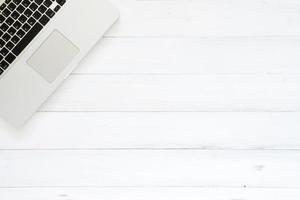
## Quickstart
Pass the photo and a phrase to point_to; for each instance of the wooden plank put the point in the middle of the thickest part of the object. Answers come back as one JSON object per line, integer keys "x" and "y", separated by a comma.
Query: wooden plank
{"x": 239, "y": 55}
{"x": 150, "y": 168}
{"x": 178, "y": 93}
{"x": 207, "y": 18}
{"x": 155, "y": 131}
{"x": 148, "y": 193}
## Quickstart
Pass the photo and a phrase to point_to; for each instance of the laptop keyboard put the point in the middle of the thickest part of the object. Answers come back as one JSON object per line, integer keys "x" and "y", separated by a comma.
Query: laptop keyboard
{"x": 20, "y": 22}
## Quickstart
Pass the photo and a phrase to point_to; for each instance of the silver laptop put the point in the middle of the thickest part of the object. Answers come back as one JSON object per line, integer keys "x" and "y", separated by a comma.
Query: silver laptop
{"x": 41, "y": 42}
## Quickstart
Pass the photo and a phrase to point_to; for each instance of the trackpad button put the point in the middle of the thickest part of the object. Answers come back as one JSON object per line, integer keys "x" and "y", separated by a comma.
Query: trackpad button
{"x": 51, "y": 58}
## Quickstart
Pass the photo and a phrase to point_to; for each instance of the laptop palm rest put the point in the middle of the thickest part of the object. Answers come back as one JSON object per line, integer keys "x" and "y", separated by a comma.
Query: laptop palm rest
{"x": 53, "y": 56}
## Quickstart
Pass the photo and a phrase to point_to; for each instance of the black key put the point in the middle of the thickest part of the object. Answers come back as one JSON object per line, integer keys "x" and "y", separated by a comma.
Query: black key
{"x": 48, "y": 3}
{"x": 2, "y": 6}
{"x": 15, "y": 15}
{"x": 17, "y": 25}
{"x": 12, "y": 31}
{"x": 6, "y": 12}
{"x": 1, "y": 33}
{"x": 15, "y": 39}
{"x": 44, "y": 20}
{"x": 28, "y": 13}
{"x": 2, "y": 43}
{"x": 4, "y": 65}
{"x": 10, "y": 45}
{"x": 11, "y": 6}
{"x": 26, "y": 27}
{"x": 10, "y": 58}
{"x": 20, "y": 33}
{"x": 37, "y": 15}
{"x": 27, "y": 39}
{"x": 31, "y": 21}
{"x": 7, "y": 1}
{"x": 1, "y": 71}
{"x": 17, "y": 1}
{"x": 56, "y": 9}
{"x": 20, "y": 8}
{"x": 38, "y": 1}
{"x": 50, "y": 13}
{"x": 4, "y": 27}
{"x": 25, "y": 3}
{"x": 9, "y": 21}
{"x": 61, "y": 2}
{"x": 42, "y": 9}
{"x": 33, "y": 6}
{"x": 6, "y": 37}
{"x": 23, "y": 18}
{"x": 2, "y": 18}
{"x": 4, "y": 51}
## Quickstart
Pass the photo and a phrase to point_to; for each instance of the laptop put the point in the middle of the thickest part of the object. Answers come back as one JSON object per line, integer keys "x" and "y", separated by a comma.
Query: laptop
{"x": 41, "y": 42}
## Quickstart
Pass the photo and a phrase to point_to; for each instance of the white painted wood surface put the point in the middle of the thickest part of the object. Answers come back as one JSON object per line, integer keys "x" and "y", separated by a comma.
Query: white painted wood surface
{"x": 146, "y": 168}
{"x": 176, "y": 193}
{"x": 182, "y": 99}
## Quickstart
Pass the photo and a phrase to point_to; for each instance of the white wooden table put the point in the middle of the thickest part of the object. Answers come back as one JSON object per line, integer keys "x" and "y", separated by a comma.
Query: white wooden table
{"x": 182, "y": 99}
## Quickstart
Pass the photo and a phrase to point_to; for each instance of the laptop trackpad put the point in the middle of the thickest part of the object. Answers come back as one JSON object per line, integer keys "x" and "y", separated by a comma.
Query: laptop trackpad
{"x": 51, "y": 58}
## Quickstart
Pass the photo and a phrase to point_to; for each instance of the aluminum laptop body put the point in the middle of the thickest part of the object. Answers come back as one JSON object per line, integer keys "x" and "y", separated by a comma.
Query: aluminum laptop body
{"x": 41, "y": 42}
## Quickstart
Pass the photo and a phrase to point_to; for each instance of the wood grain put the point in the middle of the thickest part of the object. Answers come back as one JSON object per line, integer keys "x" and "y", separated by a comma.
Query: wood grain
{"x": 214, "y": 55}
{"x": 178, "y": 93}
{"x": 147, "y": 168}
{"x": 185, "y": 18}
{"x": 175, "y": 130}
{"x": 134, "y": 193}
